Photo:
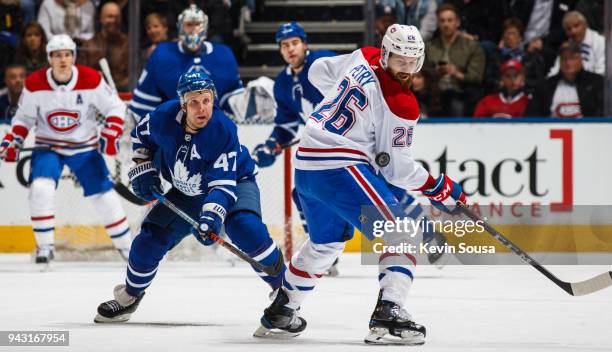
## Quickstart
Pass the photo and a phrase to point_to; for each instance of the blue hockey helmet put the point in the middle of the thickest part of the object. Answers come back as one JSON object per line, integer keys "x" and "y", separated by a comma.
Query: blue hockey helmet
{"x": 194, "y": 40}
{"x": 194, "y": 81}
{"x": 288, "y": 30}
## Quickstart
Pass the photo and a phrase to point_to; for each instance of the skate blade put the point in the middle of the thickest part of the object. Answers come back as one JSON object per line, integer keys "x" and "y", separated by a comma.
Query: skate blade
{"x": 382, "y": 337}
{"x": 118, "y": 319}
{"x": 263, "y": 332}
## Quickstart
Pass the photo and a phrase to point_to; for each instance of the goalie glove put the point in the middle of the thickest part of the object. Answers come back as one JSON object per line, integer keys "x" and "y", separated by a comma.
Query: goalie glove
{"x": 445, "y": 194}
{"x": 265, "y": 154}
{"x": 210, "y": 221}
{"x": 110, "y": 134}
{"x": 12, "y": 142}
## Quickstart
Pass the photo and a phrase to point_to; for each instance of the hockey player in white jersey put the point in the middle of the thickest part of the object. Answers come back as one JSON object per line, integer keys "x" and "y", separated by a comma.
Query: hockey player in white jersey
{"x": 62, "y": 101}
{"x": 364, "y": 125}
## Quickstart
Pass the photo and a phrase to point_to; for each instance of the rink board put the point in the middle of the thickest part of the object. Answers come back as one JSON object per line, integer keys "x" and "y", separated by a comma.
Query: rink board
{"x": 531, "y": 164}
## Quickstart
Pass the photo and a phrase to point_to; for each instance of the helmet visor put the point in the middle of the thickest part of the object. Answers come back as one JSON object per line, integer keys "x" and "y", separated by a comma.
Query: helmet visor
{"x": 404, "y": 64}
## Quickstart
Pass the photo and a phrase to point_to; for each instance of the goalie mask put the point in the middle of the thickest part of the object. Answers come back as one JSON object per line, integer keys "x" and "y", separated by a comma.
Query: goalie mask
{"x": 405, "y": 41}
{"x": 193, "y": 40}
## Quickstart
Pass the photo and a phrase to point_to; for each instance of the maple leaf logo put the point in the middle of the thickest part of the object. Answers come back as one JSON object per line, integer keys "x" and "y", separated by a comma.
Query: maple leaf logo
{"x": 188, "y": 185}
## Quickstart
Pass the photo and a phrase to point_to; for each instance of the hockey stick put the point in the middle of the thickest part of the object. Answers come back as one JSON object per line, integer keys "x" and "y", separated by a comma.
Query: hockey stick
{"x": 581, "y": 288}
{"x": 213, "y": 236}
{"x": 119, "y": 187}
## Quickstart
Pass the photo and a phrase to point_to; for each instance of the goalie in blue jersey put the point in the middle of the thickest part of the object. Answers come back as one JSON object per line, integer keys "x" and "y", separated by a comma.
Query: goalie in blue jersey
{"x": 192, "y": 53}
{"x": 195, "y": 147}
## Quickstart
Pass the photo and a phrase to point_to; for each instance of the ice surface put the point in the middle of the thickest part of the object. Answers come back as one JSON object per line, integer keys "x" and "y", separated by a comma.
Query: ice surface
{"x": 213, "y": 307}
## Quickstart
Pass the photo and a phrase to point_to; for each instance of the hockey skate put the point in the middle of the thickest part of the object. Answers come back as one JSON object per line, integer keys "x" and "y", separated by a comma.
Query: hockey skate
{"x": 120, "y": 309}
{"x": 279, "y": 321}
{"x": 45, "y": 254}
{"x": 391, "y": 325}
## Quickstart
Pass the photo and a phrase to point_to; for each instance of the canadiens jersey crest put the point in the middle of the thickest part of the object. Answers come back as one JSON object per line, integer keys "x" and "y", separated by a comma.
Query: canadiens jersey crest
{"x": 63, "y": 121}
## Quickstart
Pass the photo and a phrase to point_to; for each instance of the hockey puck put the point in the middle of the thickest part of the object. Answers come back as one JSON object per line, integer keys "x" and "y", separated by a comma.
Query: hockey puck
{"x": 382, "y": 159}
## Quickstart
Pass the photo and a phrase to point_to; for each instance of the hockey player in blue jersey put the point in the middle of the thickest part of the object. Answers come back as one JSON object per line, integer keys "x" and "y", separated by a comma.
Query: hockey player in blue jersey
{"x": 196, "y": 148}
{"x": 295, "y": 96}
{"x": 192, "y": 52}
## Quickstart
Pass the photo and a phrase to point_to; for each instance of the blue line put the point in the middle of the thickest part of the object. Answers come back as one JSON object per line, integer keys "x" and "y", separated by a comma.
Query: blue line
{"x": 46, "y": 229}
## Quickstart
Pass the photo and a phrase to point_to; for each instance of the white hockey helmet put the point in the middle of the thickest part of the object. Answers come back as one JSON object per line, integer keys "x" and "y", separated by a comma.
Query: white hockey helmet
{"x": 61, "y": 42}
{"x": 193, "y": 14}
{"x": 405, "y": 41}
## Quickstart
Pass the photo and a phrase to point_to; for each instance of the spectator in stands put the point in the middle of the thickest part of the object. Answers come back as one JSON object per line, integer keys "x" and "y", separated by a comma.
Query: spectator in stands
{"x": 418, "y": 13}
{"x": 14, "y": 76}
{"x": 8, "y": 44}
{"x": 544, "y": 30}
{"x": 459, "y": 62}
{"x": 28, "y": 10}
{"x": 511, "y": 101}
{"x": 31, "y": 51}
{"x": 425, "y": 87}
{"x": 10, "y": 16}
{"x": 511, "y": 47}
{"x": 157, "y": 31}
{"x": 592, "y": 44}
{"x": 572, "y": 93}
{"x": 109, "y": 43}
{"x": 72, "y": 17}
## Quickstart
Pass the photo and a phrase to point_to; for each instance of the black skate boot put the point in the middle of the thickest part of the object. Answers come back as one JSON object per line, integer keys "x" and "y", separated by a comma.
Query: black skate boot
{"x": 120, "y": 309}
{"x": 45, "y": 254}
{"x": 280, "y": 321}
{"x": 391, "y": 325}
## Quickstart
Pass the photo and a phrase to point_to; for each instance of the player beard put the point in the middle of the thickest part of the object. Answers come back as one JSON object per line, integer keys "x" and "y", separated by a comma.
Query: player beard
{"x": 403, "y": 78}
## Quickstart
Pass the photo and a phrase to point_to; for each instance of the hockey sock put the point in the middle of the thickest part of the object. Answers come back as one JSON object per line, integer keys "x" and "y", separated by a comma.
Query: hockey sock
{"x": 270, "y": 255}
{"x": 42, "y": 210}
{"x": 113, "y": 217}
{"x": 395, "y": 276}
{"x": 306, "y": 268}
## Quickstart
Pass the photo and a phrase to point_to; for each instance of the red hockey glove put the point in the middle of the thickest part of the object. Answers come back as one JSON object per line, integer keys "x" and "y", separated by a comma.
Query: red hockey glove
{"x": 12, "y": 143}
{"x": 109, "y": 136}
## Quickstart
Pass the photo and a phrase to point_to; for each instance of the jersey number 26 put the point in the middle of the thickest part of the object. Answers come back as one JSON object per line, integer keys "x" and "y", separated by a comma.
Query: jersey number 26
{"x": 338, "y": 116}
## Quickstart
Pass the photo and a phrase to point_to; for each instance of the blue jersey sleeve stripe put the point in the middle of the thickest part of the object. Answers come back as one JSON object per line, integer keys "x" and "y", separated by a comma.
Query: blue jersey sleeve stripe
{"x": 146, "y": 96}
{"x": 141, "y": 106}
{"x": 230, "y": 193}
{"x": 222, "y": 183}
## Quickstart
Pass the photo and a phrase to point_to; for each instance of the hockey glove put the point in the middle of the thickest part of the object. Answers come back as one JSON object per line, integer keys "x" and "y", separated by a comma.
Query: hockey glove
{"x": 211, "y": 220}
{"x": 109, "y": 136}
{"x": 265, "y": 154}
{"x": 445, "y": 194}
{"x": 12, "y": 143}
{"x": 145, "y": 178}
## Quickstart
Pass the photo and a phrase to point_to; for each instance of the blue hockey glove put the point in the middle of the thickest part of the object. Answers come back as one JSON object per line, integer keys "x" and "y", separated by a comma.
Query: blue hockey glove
{"x": 145, "y": 178}
{"x": 265, "y": 154}
{"x": 445, "y": 194}
{"x": 210, "y": 221}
